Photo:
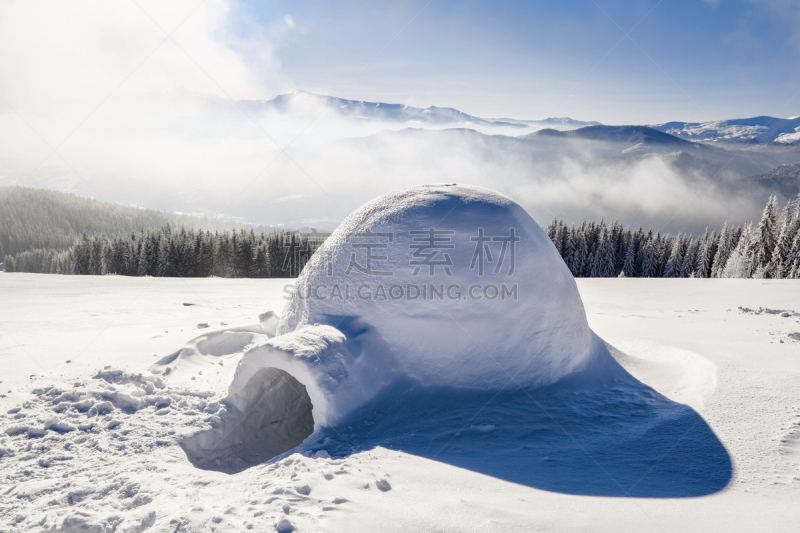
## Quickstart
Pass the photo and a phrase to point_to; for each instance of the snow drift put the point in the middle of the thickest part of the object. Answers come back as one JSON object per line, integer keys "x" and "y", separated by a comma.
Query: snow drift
{"x": 441, "y": 320}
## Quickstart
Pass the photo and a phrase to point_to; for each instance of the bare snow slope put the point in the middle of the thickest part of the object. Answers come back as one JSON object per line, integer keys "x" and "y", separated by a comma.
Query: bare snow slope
{"x": 755, "y": 129}
{"x": 686, "y": 338}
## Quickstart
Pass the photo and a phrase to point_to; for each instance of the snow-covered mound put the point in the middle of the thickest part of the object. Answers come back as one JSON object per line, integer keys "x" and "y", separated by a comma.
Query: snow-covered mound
{"x": 444, "y": 284}
{"x": 441, "y": 321}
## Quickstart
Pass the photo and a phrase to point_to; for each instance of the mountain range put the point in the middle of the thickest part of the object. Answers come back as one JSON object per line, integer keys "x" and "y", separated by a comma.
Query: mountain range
{"x": 300, "y": 102}
{"x": 676, "y": 176}
{"x": 755, "y": 130}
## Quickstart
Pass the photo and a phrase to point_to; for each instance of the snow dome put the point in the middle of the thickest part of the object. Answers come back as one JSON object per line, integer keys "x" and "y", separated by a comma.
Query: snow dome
{"x": 441, "y": 321}
{"x": 447, "y": 285}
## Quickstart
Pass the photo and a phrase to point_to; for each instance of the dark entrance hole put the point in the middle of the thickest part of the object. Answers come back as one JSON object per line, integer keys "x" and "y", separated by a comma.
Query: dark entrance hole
{"x": 276, "y": 419}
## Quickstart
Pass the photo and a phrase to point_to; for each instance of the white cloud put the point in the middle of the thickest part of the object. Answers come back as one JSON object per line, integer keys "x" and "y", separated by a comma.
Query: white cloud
{"x": 141, "y": 112}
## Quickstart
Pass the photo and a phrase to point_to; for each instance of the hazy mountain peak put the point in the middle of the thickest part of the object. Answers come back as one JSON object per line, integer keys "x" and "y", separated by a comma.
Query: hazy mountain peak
{"x": 631, "y": 135}
{"x": 566, "y": 121}
{"x": 299, "y": 101}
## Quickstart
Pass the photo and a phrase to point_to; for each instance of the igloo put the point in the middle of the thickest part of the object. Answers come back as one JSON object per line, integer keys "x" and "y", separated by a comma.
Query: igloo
{"x": 440, "y": 321}
{"x": 443, "y": 284}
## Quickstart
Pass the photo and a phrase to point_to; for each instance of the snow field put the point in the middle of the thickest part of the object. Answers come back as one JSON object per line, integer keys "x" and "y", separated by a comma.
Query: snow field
{"x": 671, "y": 330}
{"x": 380, "y": 413}
{"x": 117, "y": 466}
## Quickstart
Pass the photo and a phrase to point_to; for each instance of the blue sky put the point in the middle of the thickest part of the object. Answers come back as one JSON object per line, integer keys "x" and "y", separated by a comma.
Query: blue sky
{"x": 137, "y": 102}
{"x": 691, "y": 60}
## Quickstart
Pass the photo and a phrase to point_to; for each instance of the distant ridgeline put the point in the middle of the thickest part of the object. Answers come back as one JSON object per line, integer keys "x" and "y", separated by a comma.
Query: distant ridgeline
{"x": 770, "y": 249}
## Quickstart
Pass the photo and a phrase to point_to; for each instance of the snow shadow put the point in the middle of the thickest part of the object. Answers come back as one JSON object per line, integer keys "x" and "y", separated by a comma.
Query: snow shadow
{"x": 619, "y": 438}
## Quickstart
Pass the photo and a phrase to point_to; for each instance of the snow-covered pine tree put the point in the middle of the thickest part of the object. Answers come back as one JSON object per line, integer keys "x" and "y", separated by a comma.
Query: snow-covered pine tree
{"x": 672, "y": 269}
{"x": 724, "y": 250}
{"x": 619, "y": 236}
{"x": 574, "y": 244}
{"x": 794, "y": 271}
{"x": 262, "y": 261}
{"x": 568, "y": 244}
{"x": 640, "y": 255}
{"x": 739, "y": 263}
{"x": 705, "y": 254}
{"x": 141, "y": 260}
{"x": 629, "y": 263}
{"x": 95, "y": 257}
{"x": 783, "y": 245}
{"x": 793, "y": 257}
{"x": 275, "y": 256}
{"x": 639, "y": 240}
{"x": 663, "y": 248}
{"x": 690, "y": 257}
{"x": 603, "y": 261}
{"x": 82, "y": 252}
{"x": 792, "y": 237}
{"x": 206, "y": 254}
{"x": 649, "y": 259}
{"x": 582, "y": 257}
{"x": 572, "y": 250}
{"x": 563, "y": 241}
{"x": 552, "y": 231}
{"x": 163, "y": 267}
{"x": 762, "y": 242}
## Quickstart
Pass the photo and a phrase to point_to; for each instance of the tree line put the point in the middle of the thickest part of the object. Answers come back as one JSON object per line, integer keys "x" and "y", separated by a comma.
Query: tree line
{"x": 174, "y": 253}
{"x": 770, "y": 249}
{"x": 33, "y": 219}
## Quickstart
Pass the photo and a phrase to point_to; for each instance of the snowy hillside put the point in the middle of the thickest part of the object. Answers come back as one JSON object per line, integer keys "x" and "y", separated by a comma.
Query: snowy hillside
{"x": 785, "y": 178}
{"x": 756, "y": 129}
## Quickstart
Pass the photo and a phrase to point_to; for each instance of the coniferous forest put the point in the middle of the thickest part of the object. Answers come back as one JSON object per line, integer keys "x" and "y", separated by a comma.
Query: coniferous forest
{"x": 768, "y": 249}
{"x": 38, "y": 219}
{"x": 174, "y": 253}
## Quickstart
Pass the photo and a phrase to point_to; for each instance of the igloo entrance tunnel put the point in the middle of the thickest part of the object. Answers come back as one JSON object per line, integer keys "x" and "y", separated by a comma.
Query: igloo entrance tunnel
{"x": 276, "y": 417}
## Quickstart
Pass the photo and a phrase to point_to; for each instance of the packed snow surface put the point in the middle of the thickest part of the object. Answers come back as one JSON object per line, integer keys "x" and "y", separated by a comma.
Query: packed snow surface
{"x": 88, "y": 448}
